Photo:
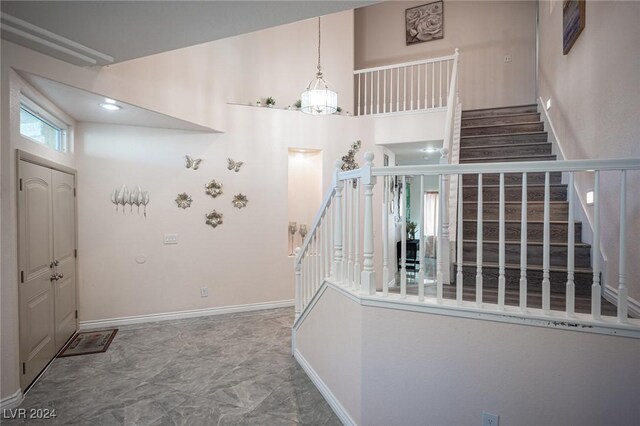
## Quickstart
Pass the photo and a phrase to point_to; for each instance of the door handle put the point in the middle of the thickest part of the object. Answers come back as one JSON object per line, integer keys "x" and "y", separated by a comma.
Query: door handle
{"x": 60, "y": 276}
{"x": 53, "y": 277}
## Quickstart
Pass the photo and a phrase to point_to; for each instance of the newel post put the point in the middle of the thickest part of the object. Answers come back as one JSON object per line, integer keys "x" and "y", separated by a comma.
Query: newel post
{"x": 298, "y": 306}
{"x": 444, "y": 211}
{"x": 337, "y": 224}
{"x": 368, "y": 275}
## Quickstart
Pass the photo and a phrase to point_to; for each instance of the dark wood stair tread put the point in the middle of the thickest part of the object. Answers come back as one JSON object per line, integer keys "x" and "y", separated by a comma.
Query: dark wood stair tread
{"x": 529, "y": 267}
{"x": 529, "y": 243}
{"x": 508, "y": 159}
{"x": 540, "y": 133}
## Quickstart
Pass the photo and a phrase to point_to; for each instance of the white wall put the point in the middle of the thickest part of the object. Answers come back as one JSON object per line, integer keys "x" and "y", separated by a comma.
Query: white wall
{"x": 483, "y": 31}
{"x": 419, "y": 368}
{"x": 595, "y": 101}
{"x": 304, "y": 188}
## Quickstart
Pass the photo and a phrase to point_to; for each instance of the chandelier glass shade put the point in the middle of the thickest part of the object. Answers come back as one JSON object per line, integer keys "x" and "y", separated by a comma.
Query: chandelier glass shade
{"x": 318, "y": 99}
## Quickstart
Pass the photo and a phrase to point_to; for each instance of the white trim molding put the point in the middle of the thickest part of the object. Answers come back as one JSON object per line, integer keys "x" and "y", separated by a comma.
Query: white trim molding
{"x": 12, "y": 401}
{"x": 138, "y": 319}
{"x": 333, "y": 402}
{"x": 611, "y": 294}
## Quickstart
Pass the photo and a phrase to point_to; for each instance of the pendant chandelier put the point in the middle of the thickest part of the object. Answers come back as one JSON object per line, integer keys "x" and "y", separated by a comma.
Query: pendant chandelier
{"x": 318, "y": 99}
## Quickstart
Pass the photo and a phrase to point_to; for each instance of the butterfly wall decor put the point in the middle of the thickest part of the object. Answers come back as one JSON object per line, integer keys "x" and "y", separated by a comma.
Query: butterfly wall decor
{"x": 191, "y": 163}
{"x": 234, "y": 165}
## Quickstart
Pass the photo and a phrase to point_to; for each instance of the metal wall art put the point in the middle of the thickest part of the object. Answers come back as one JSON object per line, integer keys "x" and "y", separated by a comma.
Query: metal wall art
{"x": 213, "y": 188}
{"x": 191, "y": 163}
{"x": 124, "y": 197}
{"x": 184, "y": 200}
{"x": 349, "y": 160}
{"x": 239, "y": 201}
{"x": 234, "y": 165}
{"x": 214, "y": 218}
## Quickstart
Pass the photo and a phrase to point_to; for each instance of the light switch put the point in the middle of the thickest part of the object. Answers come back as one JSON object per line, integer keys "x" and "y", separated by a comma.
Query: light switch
{"x": 170, "y": 238}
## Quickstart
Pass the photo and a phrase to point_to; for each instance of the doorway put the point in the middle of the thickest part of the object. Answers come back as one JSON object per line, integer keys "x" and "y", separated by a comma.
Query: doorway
{"x": 47, "y": 260}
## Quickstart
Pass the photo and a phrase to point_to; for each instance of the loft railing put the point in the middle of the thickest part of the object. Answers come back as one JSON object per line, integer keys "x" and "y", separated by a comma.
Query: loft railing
{"x": 410, "y": 86}
{"x": 331, "y": 251}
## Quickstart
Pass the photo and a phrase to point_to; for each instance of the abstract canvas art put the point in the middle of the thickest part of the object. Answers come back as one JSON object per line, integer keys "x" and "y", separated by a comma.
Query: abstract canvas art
{"x": 573, "y": 22}
{"x": 424, "y": 23}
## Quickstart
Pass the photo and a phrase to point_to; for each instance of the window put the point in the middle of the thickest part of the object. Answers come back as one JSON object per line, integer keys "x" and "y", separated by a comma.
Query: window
{"x": 41, "y": 127}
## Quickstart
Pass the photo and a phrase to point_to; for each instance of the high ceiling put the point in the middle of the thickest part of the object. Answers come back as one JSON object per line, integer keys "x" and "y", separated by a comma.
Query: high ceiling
{"x": 124, "y": 30}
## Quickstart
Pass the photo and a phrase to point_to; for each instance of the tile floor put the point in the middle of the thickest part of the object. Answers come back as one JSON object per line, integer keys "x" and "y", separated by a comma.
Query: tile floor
{"x": 234, "y": 369}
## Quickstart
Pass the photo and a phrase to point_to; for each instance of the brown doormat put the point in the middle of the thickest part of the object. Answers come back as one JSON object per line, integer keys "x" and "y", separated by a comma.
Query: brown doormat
{"x": 89, "y": 342}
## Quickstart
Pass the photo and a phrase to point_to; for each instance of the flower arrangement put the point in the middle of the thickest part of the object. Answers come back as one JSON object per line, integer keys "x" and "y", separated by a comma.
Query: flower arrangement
{"x": 411, "y": 230}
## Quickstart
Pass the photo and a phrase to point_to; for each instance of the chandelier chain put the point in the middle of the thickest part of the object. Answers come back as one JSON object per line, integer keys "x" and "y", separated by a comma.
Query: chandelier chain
{"x": 319, "y": 67}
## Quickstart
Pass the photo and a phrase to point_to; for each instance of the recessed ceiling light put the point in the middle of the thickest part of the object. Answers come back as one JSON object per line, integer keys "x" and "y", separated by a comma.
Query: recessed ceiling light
{"x": 111, "y": 107}
{"x": 109, "y": 101}
{"x": 429, "y": 150}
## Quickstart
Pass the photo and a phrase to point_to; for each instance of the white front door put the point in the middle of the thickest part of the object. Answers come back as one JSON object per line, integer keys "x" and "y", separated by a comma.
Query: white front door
{"x": 47, "y": 265}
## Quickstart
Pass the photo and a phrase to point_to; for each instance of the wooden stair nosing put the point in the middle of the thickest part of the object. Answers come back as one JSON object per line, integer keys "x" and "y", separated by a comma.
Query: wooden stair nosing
{"x": 529, "y": 243}
{"x": 502, "y": 125}
{"x": 513, "y": 145}
{"x": 530, "y": 185}
{"x": 492, "y": 159}
{"x": 500, "y": 116}
{"x": 499, "y": 108}
{"x": 529, "y": 267}
{"x": 551, "y": 222}
{"x": 503, "y": 134}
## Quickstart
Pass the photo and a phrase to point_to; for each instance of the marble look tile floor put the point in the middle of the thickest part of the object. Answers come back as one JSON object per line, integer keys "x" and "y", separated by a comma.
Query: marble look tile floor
{"x": 233, "y": 369}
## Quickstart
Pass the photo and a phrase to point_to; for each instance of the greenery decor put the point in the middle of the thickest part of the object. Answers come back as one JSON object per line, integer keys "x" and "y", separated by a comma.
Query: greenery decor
{"x": 338, "y": 110}
{"x": 270, "y": 101}
{"x": 411, "y": 230}
{"x": 298, "y": 104}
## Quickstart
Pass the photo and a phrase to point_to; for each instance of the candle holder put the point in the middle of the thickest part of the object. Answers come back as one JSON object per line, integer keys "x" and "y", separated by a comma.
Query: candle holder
{"x": 293, "y": 228}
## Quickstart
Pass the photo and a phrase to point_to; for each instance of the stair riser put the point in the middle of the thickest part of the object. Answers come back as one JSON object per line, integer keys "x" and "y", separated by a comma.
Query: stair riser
{"x": 512, "y": 178}
{"x": 491, "y": 231}
{"x": 499, "y": 130}
{"x": 508, "y": 160}
{"x": 503, "y": 139}
{"x": 506, "y": 151}
{"x": 508, "y": 119}
{"x": 499, "y": 111}
{"x": 558, "y": 280}
{"x": 557, "y": 254}
{"x": 512, "y": 211}
{"x": 556, "y": 193}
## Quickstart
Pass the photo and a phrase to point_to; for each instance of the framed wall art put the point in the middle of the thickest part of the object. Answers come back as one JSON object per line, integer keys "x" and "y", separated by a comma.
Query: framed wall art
{"x": 573, "y": 22}
{"x": 424, "y": 23}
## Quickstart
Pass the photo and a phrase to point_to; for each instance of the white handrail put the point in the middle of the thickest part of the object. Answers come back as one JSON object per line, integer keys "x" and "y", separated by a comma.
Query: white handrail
{"x": 405, "y": 64}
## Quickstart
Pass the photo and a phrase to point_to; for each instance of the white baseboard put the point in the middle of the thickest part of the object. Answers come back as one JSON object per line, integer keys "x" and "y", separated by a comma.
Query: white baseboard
{"x": 633, "y": 306}
{"x": 12, "y": 401}
{"x": 113, "y": 322}
{"x": 333, "y": 402}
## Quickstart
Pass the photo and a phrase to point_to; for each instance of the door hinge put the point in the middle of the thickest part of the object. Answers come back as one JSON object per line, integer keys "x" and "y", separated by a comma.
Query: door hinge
{"x": 22, "y": 276}
{"x": 74, "y": 192}
{"x": 20, "y": 184}
{"x": 76, "y": 314}
{"x": 75, "y": 252}
{"x": 24, "y": 368}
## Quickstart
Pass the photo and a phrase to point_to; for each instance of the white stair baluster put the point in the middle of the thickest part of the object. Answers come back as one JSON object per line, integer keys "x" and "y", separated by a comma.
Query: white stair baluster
{"x": 403, "y": 238}
{"x": 337, "y": 227}
{"x": 412, "y": 87}
{"x": 501, "y": 247}
{"x": 404, "y": 96}
{"x": 359, "y": 95}
{"x": 364, "y": 101}
{"x": 460, "y": 236}
{"x": 421, "y": 243}
{"x": 384, "y": 91}
{"x": 523, "y": 245}
{"x": 442, "y": 199}
{"x": 298, "y": 269}
{"x": 349, "y": 205}
{"x": 571, "y": 286}
{"x": 622, "y": 261}
{"x": 479, "y": 244}
{"x": 433, "y": 85}
{"x": 378, "y": 94}
{"x": 368, "y": 280}
{"x": 546, "y": 284}
{"x": 418, "y": 97}
{"x": 356, "y": 263}
{"x": 385, "y": 235}
{"x": 371, "y": 96}
{"x": 596, "y": 290}
{"x": 345, "y": 231}
{"x": 440, "y": 85}
{"x": 398, "y": 91}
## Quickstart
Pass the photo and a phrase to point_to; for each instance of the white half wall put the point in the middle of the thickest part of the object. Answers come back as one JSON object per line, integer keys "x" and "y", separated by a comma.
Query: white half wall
{"x": 422, "y": 368}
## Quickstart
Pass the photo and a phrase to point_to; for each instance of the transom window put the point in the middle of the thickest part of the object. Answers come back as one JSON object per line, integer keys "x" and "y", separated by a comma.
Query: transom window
{"x": 41, "y": 126}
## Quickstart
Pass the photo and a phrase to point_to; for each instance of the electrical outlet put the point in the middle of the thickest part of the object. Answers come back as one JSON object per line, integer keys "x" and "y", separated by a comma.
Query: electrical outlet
{"x": 507, "y": 58}
{"x": 170, "y": 239}
{"x": 489, "y": 419}
{"x": 204, "y": 292}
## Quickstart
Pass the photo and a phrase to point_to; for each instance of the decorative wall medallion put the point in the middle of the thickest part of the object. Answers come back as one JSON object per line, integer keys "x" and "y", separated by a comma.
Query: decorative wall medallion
{"x": 234, "y": 165}
{"x": 213, "y": 188}
{"x": 239, "y": 201}
{"x": 214, "y": 218}
{"x": 191, "y": 163}
{"x": 184, "y": 200}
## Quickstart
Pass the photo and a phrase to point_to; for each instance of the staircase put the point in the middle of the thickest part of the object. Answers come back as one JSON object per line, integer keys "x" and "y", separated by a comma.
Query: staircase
{"x": 511, "y": 134}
